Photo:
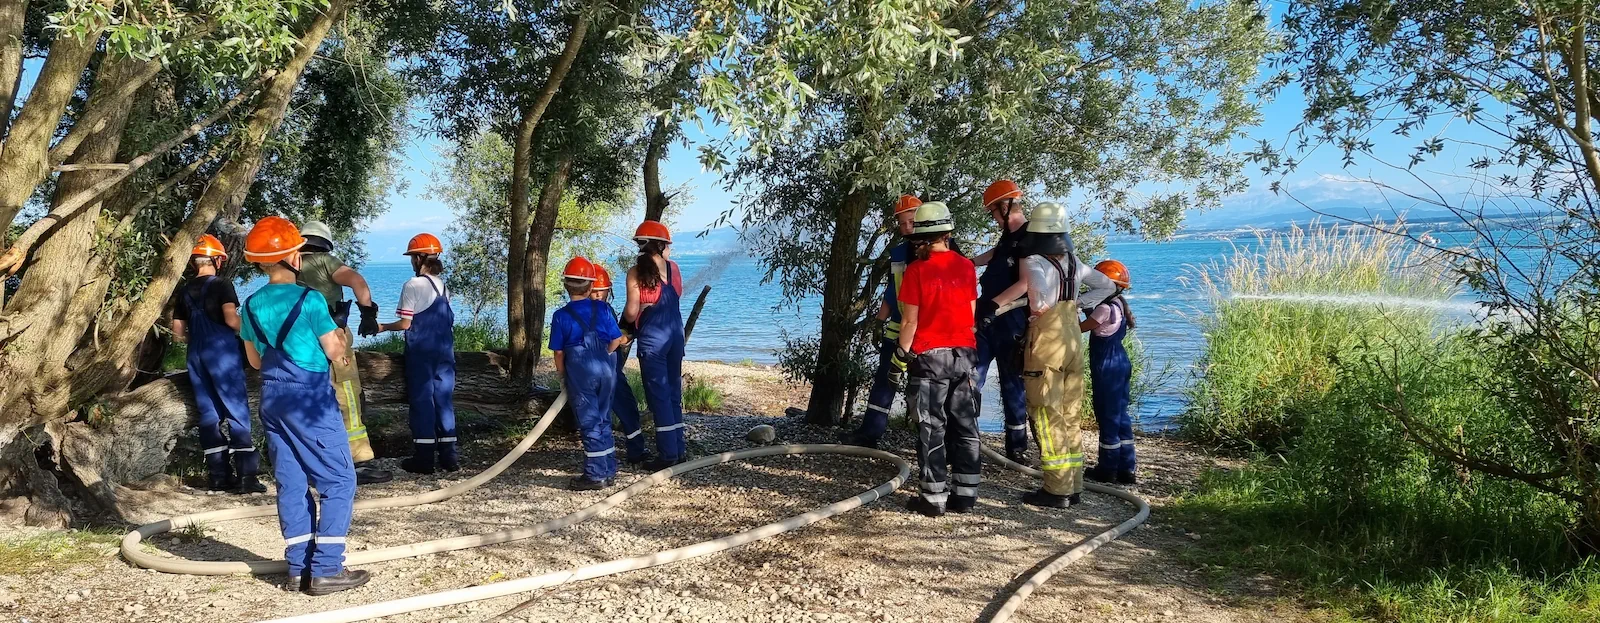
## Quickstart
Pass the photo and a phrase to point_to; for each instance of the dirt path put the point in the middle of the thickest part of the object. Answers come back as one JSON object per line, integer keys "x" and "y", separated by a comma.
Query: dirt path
{"x": 878, "y": 563}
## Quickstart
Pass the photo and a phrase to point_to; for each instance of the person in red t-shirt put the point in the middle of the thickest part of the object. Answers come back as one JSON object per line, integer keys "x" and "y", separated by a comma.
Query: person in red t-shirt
{"x": 938, "y": 296}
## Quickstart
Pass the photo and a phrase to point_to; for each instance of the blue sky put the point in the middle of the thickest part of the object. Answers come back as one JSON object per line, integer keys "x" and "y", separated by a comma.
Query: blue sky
{"x": 1321, "y": 181}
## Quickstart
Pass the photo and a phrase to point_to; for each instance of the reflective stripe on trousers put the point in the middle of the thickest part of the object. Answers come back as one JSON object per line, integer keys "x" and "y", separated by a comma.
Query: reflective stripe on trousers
{"x": 1053, "y": 377}
{"x": 306, "y": 436}
{"x": 942, "y": 394}
{"x": 431, "y": 379}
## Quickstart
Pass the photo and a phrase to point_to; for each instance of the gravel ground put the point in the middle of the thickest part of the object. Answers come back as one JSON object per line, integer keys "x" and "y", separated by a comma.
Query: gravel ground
{"x": 877, "y": 563}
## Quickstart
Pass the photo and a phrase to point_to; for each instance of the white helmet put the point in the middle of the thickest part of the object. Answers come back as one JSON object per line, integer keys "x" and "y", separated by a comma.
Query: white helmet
{"x": 1048, "y": 218}
{"x": 932, "y": 218}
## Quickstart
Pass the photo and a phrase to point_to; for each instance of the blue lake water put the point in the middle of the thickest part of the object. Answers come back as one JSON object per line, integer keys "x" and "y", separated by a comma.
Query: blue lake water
{"x": 740, "y": 321}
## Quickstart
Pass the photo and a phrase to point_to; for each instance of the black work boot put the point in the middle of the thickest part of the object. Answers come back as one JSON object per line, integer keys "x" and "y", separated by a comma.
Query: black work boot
{"x": 658, "y": 464}
{"x": 222, "y": 483}
{"x": 584, "y": 483}
{"x": 346, "y": 580}
{"x": 250, "y": 484}
{"x": 369, "y": 474}
{"x": 1047, "y": 499}
{"x": 851, "y": 438}
{"x": 961, "y": 503}
{"x": 638, "y": 462}
{"x": 1099, "y": 474}
{"x": 1127, "y": 478}
{"x": 448, "y": 459}
{"x": 920, "y": 504}
{"x": 417, "y": 465}
{"x": 1018, "y": 456}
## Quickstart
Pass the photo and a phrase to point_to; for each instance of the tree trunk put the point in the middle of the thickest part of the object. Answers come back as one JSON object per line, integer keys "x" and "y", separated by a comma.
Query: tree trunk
{"x": 655, "y": 202}
{"x": 839, "y": 310}
{"x": 516, "y": 254}
{"x": 42, "y": 388}
{"x": 537, "y": 264}
{"x": 13, "y": 16}
{"x": 523, "y": 354}
{"x": 22, "y": 163}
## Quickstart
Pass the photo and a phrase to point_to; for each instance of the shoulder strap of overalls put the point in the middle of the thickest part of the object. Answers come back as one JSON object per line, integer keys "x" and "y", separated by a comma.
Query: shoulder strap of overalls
{"x": 188, "y": 298}
{"x": 587, "y": 326}
{"x": 250, "y": 313}
{"x": 437, "y": 291}
{"x": 294, "y": 314}
{"x": 1069, "y": 284}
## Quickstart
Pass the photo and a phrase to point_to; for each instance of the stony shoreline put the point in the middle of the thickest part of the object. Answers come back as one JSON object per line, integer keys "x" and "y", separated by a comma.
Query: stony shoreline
{"x": 877, "y": 563}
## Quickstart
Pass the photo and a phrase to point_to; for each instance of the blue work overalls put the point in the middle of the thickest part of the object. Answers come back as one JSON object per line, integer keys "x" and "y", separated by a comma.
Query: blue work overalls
{"x": 1110, "y": 372}
{"x": 661, "y": 344}
{"x": 306, "y": 437}
{"x": 431, "y": 381}
{"x": 626, "y": 405}
{"x": 1001, "y": 341}
{"x": 590, "y": 377}
{"x": 880, "y": 397}
{"x": 216, "y": 371}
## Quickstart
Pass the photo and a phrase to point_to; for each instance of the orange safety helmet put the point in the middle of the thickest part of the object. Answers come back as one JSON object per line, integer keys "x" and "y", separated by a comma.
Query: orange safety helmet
{"x": 602, "y": 279}
{"x": 579, "y": 268}
{"x": 652, "y": 230}
{"x": 1116, "y": 271}
{"x": 424, "y": 244}
{"x": 209, "y": 246}
{"x": 273, "y": 239}
{"x": 1003, "y": 189}
{"x": 907, "y": 203}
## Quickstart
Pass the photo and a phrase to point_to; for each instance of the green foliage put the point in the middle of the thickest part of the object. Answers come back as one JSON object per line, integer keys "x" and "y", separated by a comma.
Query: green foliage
{"x": 1270, "y": 360}
{"x": 701, "y": 396}
{"x": 1360, "y": 516}
{"x": 1501, "y": 76}
{"x": 470, "y": 336}
{"x": 209, "y": 39}
{"x": 477, "y": 186}
{"x": 176, "y": 357}
{"x": 333, "y": 157}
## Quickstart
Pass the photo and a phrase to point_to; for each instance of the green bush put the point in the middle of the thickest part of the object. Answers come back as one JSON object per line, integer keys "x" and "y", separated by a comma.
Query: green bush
{"x": 701, "y": 396}
{"x": 1334, "y": 401}
{"x": 472, "y": 336}
{"x": 1359, "y": 515}
{"x": 1283, "y": 314}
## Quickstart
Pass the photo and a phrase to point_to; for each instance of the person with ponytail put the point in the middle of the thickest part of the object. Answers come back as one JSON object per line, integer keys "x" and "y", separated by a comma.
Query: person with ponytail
{"x": 652, "y": 315}
{"x": 937, "y": 350}
{"x": 429, "y": 323}
{"x": 1111, "y": 373}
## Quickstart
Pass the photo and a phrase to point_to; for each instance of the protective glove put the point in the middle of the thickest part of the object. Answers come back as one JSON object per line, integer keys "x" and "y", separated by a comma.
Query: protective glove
{"x": 897, "y": 368}
{"x": 986, "y": 311}
{"x": 369, "y": 320}
{"x": 628, "y": 328}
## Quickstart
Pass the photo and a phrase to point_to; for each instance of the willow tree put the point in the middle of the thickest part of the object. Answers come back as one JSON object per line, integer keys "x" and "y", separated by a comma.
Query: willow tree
{"x": 68, "y": 335}
{"x": 1128, "y": 104}
{"x": 497, "y": 65}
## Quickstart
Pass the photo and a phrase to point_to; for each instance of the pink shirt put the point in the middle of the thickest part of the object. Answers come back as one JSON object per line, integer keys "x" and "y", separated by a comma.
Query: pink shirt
{"x": 648, "y": 296}
{"x": 1109, "y": 316}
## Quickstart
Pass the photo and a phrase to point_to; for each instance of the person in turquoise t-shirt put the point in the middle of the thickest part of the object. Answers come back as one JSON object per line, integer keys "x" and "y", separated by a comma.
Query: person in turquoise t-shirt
{"x": 290, "y": 337}
{"x": 303, "y": 344}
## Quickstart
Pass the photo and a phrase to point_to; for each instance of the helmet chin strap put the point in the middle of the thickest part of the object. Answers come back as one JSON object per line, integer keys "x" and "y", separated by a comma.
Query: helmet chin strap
{"x": 291, "y": 267}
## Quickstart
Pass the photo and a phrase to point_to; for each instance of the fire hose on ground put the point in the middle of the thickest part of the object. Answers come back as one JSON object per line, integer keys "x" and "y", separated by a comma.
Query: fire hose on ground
{"x": 132, "y": 551}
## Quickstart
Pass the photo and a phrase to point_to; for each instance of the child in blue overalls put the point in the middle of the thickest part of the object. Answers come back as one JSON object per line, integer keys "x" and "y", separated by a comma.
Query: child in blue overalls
{"x": 654, "y": 284}
{"x": 623, "y": 402}
{"x": 429, "y": 323}
{"x": 290, "y": 337}
{"x": 207, "y": 318}
{"x": 583, "y": 336}
{"x": 1111, "y": 373}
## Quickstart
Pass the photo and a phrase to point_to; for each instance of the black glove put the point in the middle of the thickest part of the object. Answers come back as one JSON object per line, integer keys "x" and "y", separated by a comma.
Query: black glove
{"x": 627, "y": 328}
{"x": 897, "y": 368}
{"x": 369, "y": 321}
{"x": 986, "y": 311}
